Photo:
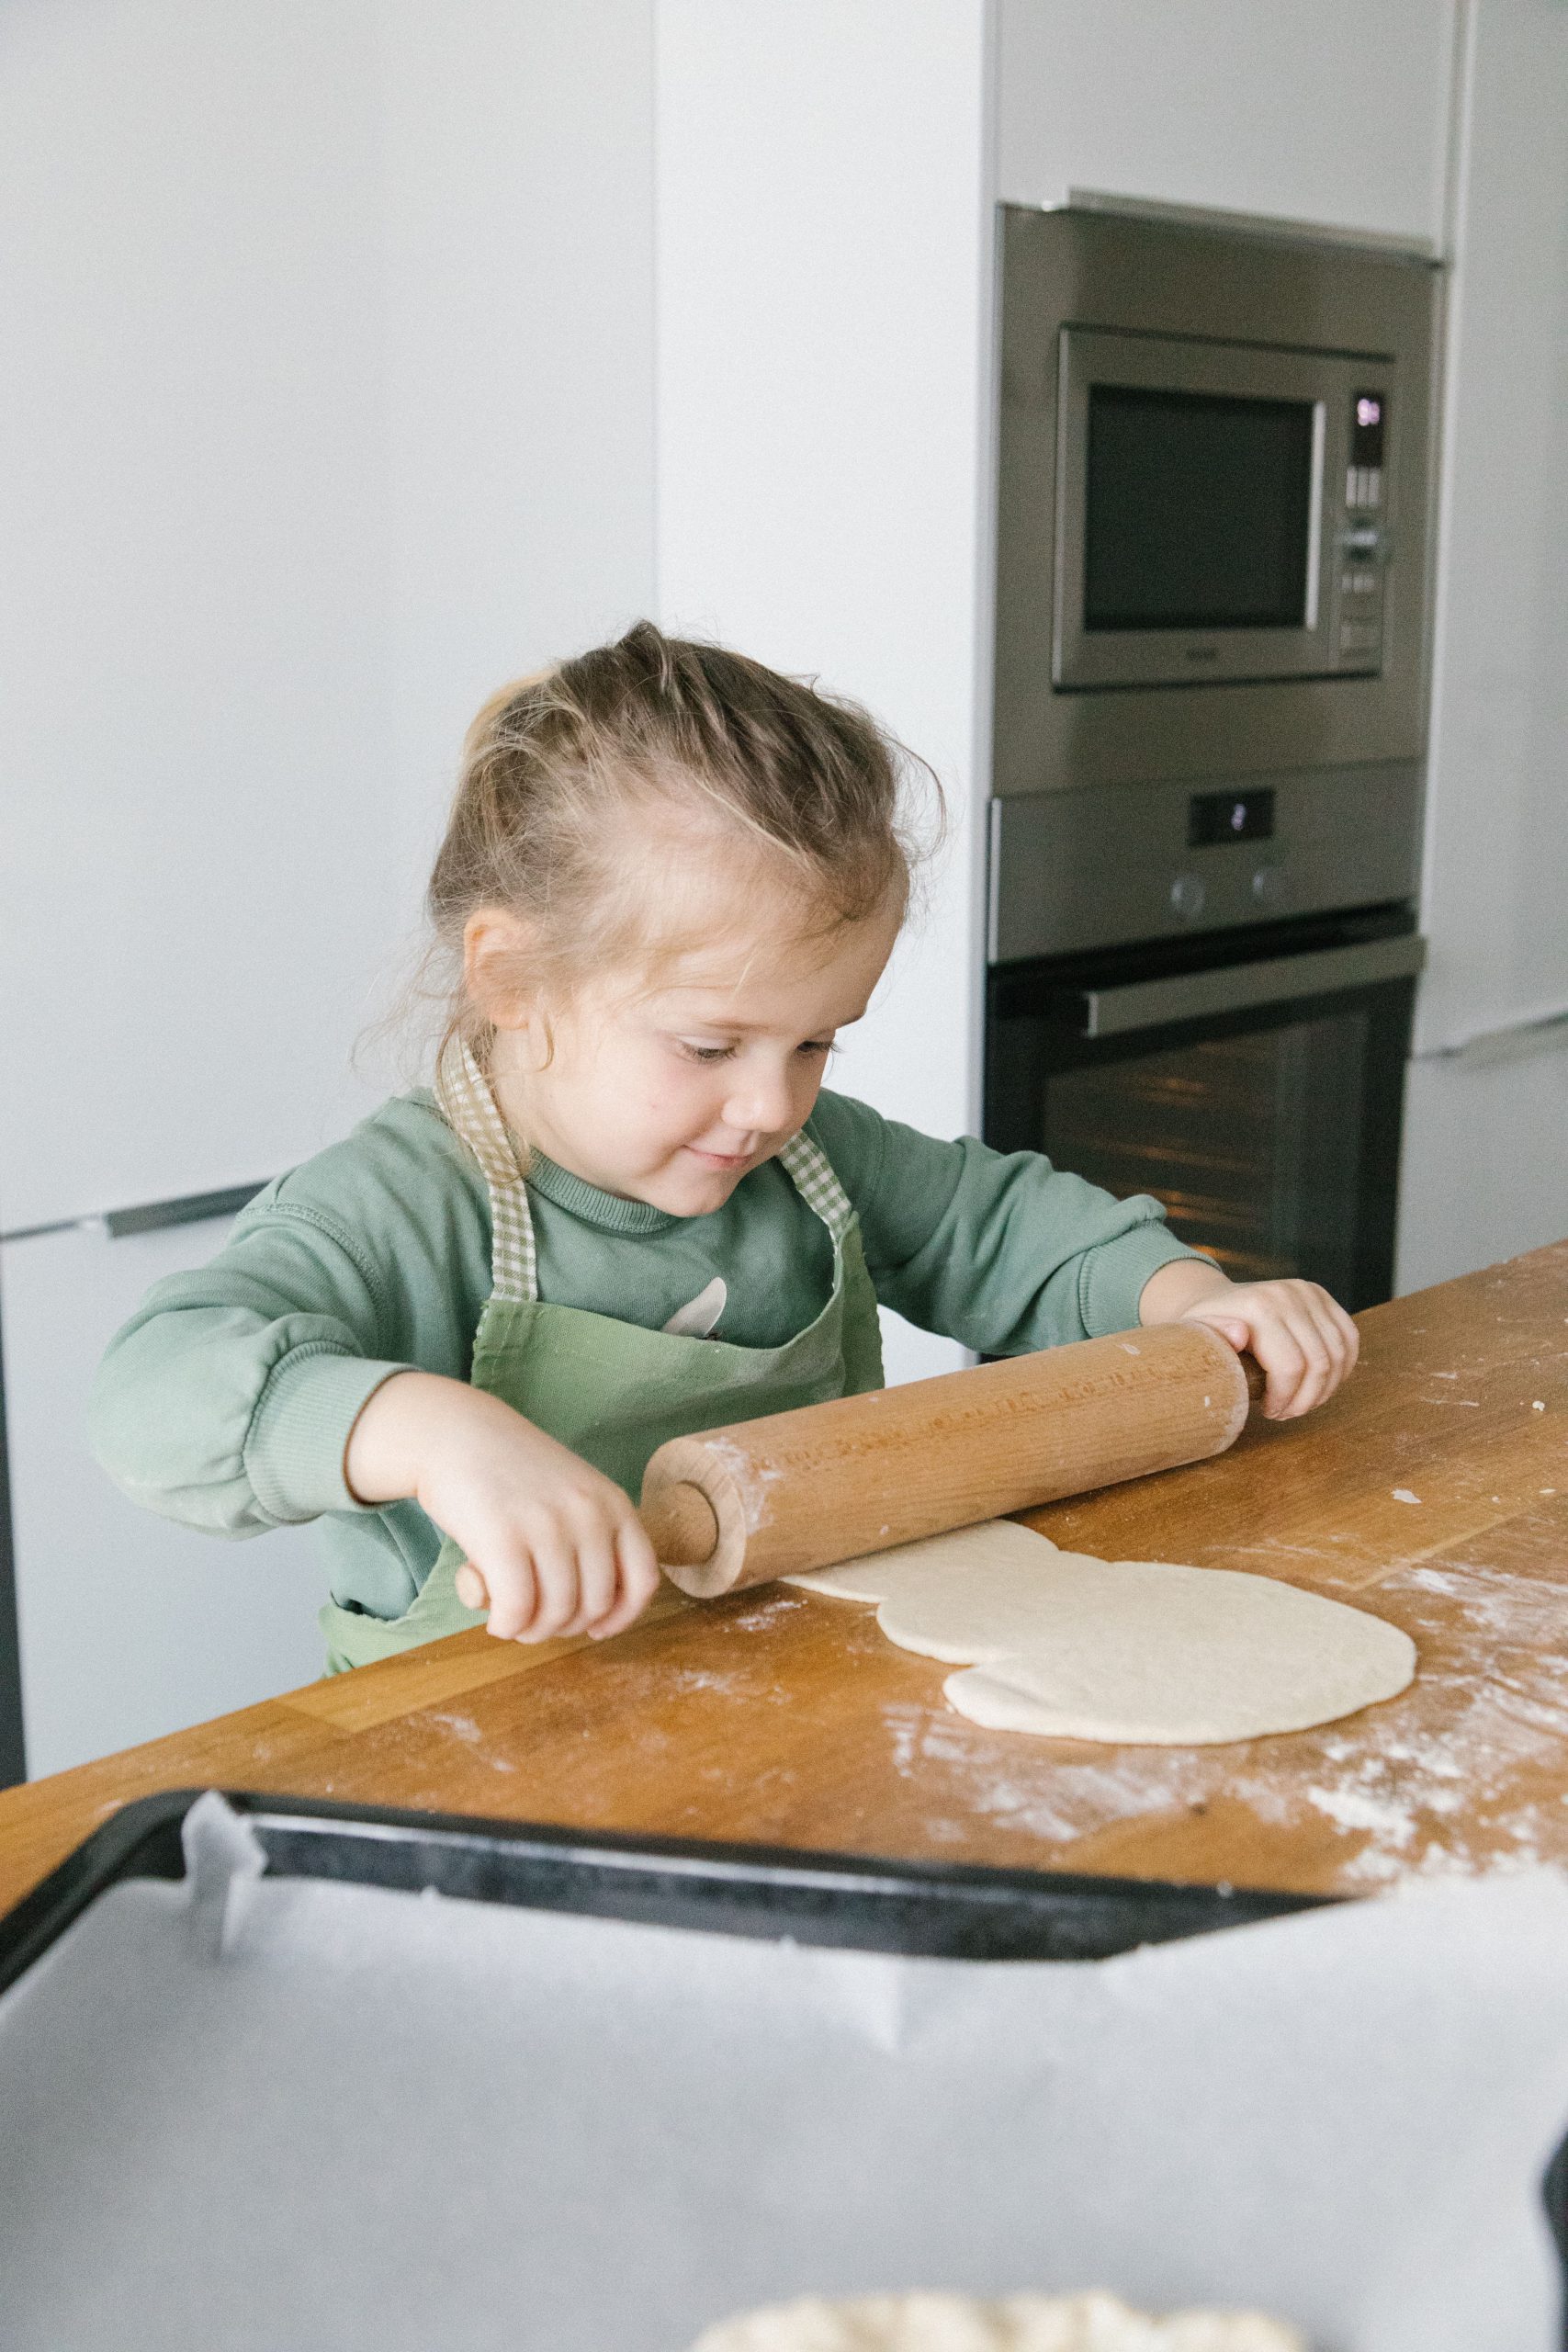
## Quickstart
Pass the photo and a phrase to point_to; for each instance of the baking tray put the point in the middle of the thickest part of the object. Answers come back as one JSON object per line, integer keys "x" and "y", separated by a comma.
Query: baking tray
{"x": 930, "y": 1910}
{"x": 729, "y": 1897}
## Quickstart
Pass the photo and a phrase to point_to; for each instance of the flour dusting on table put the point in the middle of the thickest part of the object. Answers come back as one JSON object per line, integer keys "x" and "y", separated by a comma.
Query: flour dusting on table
{"x": 1394, "y": 1781}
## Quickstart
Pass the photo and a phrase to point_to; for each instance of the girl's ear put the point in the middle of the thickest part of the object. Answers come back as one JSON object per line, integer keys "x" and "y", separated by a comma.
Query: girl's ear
{"x": 498, "y": 967}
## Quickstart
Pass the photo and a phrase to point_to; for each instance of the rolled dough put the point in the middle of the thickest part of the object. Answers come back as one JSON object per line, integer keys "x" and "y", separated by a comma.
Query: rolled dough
{"x": 1143, "y": 1652}
{"x": 932, "y": 2322}
{"x": 994, "y": 1543}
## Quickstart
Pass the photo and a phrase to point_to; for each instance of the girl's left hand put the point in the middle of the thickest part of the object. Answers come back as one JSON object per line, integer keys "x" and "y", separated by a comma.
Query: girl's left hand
{"x": 1303, "y": 1339}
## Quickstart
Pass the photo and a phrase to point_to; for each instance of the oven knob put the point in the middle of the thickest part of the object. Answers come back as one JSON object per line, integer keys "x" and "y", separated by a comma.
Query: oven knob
{"x": 1269, "y": 886}
{"x": 1187, "y": 895}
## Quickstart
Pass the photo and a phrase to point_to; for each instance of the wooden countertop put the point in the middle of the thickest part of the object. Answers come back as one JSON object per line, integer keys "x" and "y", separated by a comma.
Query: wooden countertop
{"x": 1433, "y": 1489}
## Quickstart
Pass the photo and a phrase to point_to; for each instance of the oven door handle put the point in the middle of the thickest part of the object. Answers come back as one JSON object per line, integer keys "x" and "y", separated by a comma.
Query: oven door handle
{"x": 1238, "y": 988}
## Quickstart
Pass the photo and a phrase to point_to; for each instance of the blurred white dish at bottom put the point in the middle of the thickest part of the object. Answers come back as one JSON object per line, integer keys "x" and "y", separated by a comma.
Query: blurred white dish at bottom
{"x": 934, "y": 2323}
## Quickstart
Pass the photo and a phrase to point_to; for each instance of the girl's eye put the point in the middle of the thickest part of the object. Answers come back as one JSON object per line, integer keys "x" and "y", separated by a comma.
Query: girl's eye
{"x": 819, "y": 1047}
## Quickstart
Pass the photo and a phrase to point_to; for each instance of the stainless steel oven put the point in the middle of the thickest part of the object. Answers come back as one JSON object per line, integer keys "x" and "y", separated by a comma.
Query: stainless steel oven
{"x": 1212, "y": 559}
{"x": 1253, "y": 1085}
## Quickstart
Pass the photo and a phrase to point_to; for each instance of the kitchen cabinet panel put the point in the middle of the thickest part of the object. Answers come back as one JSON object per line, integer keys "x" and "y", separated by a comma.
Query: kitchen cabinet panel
{"x": 1322, "y": 110}
{"x": 131, "y": 1626}
{"x": 1498, "y": 814}
{"x": 200, "y": 874}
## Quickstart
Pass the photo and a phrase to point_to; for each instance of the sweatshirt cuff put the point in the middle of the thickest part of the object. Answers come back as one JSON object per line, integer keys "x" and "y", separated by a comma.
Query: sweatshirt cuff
{"x": 294, "y": 1452}
{"x": 1114, "y": 1275}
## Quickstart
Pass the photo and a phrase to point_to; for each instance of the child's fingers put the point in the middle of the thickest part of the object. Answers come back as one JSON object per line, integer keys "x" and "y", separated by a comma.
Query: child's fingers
{"x": 1304, "y": 1341}
{"x": 1316, "y": 1375}
{"x": 597, "y": 1575}
{"x": 554, "y": 1556}
{"x": 513, "y": 1594}
{"x": 1285, "y": 1364}
{"x": 471, "y": 1586}
{"x": 1314, "y": 1341}
{"x": 639, "y": 1578}
{"x": 1332, "y": 1334}
{"x": 1345, "y": 1329}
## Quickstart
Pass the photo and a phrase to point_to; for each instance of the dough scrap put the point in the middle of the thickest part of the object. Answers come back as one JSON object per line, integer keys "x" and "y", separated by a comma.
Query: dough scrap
{"x": 937, "y": 2322}
{"x": 1138, "y": 1652}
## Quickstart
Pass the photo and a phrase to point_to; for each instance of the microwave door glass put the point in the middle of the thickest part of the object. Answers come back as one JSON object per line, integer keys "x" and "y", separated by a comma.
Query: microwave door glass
{"x": 1200, "y": 511}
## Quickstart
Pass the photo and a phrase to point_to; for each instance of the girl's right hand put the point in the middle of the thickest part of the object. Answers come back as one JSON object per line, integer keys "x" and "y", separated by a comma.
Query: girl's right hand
{"x": 552, "y": 1544}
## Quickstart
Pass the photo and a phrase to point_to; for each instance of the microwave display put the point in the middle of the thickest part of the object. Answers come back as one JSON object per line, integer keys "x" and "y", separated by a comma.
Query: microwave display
{"x": 1198, "y": 509}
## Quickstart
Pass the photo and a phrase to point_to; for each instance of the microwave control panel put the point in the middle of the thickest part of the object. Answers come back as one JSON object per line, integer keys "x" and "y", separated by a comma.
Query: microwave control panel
{"x": 1363, "y": 543}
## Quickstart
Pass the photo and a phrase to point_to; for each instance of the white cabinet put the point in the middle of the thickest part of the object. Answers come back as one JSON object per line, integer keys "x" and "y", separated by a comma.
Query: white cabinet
{"x": 131, "y": 1626}
{"x": 823, "y": 225}
{"x": 325, "y": 407}
{"x": 1486, "y": 1135}
{"x": 1322, "y": 110}
{"x": 201, "y": 868}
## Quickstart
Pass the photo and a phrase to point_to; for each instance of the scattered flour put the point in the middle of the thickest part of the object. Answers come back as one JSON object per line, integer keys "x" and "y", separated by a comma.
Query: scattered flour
{"x": 1431, "y": 1784}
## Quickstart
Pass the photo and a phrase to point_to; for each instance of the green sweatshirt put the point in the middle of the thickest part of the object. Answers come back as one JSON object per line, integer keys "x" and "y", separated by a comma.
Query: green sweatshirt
{"x": 227, "y": 1400}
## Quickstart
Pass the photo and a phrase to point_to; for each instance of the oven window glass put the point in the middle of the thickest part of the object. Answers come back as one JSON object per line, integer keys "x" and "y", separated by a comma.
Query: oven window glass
{"x": 1251, "y": 1141}
{"x": 1198, "y": 510}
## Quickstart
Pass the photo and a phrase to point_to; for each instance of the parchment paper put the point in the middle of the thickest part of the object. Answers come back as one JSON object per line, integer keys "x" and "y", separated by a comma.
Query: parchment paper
{"x": 244, "y": 2113}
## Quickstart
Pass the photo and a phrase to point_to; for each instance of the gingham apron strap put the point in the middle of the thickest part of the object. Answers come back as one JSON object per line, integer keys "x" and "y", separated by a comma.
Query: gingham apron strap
{"x": 469, "y": 1107}
{"x": 810, "y": 1166}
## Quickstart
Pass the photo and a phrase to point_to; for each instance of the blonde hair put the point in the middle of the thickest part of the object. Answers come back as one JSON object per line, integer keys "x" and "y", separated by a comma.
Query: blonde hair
{"x": 654, "y": 723}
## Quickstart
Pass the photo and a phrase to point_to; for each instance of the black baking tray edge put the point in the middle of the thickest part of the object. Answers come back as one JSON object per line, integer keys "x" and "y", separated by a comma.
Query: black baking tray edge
{"x": 928, "y": 1910}
{"x": 932, "y": 1910}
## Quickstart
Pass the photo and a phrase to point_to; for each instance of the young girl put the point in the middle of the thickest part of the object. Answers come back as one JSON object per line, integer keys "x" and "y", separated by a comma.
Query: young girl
{"x": 627, "y": 1210}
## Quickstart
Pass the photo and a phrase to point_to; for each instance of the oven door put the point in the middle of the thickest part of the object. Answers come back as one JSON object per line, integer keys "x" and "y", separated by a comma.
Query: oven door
{"x": 1203, "y": 527}
{"x": 1254, "y": 1084}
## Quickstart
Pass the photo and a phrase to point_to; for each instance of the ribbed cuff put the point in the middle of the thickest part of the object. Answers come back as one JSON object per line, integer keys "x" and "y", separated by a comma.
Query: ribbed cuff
{"x": 298, "y": 1439}
{"x": 1115, "y": 1273}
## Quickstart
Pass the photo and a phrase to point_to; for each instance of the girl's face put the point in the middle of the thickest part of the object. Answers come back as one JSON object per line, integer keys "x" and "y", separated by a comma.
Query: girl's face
{"x": 670, "y": 1092}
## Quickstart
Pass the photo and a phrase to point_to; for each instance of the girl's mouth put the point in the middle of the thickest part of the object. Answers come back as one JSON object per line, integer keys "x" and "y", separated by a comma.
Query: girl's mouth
{"x": 718, "y": 1159}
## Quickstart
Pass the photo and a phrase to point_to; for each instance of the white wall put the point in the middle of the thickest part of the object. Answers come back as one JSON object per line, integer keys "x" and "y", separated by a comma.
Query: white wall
{"x": 193, "y": 491}
{"x": 1322, "y": 110}
{"x": 517, "y": 146}
{"x": 325, "y": 406}
{"x": 1486, "y": 1164}
{"x": 823, "y": 273}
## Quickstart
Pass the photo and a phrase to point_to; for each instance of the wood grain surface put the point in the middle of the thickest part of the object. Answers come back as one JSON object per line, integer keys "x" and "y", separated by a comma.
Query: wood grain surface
{"x": 1433, "y": 1489}
{"x": 826, "y": 1483}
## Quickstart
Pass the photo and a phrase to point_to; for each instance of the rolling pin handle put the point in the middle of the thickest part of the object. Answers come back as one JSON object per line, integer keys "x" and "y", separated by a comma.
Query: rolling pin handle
{"x": 682, "y": 1526}
{"x": 1257, "y": 1379}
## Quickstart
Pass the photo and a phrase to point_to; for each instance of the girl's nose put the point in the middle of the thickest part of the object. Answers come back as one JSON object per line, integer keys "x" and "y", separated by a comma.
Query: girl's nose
{"x": 760, "y": 1103}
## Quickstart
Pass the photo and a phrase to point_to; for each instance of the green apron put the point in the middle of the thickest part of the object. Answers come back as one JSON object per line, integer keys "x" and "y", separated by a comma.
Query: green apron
{"x": 611, "y": 1391}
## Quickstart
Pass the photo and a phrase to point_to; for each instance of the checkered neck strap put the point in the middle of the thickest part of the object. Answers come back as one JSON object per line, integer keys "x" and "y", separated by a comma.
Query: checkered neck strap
{"x": 808, "y": 1165}
{"x": 469, "y": 1108}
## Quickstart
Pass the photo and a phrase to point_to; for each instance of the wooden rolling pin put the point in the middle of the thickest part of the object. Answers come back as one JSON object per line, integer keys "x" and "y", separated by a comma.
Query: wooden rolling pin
{"x": 733, "y": 1507}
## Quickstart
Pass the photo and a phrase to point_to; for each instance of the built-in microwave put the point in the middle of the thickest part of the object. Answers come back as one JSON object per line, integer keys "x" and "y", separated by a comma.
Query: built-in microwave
{"x": 1220, "y": 511}
{"x": 1213, "y": 490}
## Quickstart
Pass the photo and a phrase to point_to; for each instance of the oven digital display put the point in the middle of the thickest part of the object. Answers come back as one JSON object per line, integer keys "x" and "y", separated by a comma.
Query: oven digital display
{"x": 1213, "y": 817}
{"x": 1198, "y": 509}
